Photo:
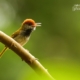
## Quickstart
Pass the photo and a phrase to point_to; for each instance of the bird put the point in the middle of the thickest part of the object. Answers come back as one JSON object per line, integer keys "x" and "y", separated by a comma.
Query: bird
{"x": 22, "y": 35}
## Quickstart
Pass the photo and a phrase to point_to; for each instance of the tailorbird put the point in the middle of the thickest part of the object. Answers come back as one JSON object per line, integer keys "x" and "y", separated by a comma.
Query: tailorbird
{"x": 22, "y": 35}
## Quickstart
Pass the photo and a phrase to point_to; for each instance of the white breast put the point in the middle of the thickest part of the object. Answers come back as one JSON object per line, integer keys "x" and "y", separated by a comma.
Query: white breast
{"x": 21, "y": 39}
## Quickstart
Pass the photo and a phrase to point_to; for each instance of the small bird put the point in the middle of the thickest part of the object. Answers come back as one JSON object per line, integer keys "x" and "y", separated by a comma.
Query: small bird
{"x": 22, "y": 35}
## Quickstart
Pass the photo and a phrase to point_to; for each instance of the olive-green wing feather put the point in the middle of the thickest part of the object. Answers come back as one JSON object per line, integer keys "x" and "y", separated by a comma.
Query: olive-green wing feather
{"x": 15, "y": 34}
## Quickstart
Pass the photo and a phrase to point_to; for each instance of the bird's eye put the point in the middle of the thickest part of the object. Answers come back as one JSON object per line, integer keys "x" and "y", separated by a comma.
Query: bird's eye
{"x": 29, "y": 24}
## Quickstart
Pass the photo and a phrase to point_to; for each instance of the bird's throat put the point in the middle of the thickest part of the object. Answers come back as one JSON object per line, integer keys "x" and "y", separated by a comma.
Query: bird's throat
{"x": 27, "y": 32}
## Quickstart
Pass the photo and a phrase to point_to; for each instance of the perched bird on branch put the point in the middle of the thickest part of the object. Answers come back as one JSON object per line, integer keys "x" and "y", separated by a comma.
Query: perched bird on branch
{"x": 22, "y": 35}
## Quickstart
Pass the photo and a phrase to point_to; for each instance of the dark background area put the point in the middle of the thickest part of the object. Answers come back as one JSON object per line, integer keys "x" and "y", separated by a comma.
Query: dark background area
{"x": 56, "y": 43}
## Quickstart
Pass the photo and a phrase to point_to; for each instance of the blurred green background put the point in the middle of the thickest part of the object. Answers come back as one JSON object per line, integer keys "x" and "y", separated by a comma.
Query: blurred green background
{"x": 56, "y": 44}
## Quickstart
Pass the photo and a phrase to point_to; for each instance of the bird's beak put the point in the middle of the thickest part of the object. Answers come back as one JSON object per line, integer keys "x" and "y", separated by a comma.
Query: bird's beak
{"x": 38, "y": 24}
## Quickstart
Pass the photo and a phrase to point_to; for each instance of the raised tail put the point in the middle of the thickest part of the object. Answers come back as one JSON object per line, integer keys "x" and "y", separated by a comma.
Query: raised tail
{"x": 2, "y": 52}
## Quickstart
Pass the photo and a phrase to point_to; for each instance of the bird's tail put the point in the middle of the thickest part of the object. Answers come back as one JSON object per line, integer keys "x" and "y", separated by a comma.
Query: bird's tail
{"x": 2, "y": 52}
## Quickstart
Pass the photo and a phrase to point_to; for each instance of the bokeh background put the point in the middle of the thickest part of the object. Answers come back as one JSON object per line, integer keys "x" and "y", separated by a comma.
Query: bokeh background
{"x": 56, "y": 44}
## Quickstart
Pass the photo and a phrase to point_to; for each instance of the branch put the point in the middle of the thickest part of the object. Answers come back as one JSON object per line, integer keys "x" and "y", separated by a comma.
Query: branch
{"x": 25, "y": 55}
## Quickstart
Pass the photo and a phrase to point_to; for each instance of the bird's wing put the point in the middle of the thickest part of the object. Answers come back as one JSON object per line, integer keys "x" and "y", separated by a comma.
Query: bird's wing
{"x": 15, "y": 34}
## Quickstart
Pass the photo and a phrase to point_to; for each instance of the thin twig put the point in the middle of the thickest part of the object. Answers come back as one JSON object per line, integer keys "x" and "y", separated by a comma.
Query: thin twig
{"x": 25, "y": 55}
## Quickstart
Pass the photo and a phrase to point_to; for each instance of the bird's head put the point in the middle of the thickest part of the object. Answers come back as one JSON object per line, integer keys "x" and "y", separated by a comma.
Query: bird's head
{"x": 30, "y": 24}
